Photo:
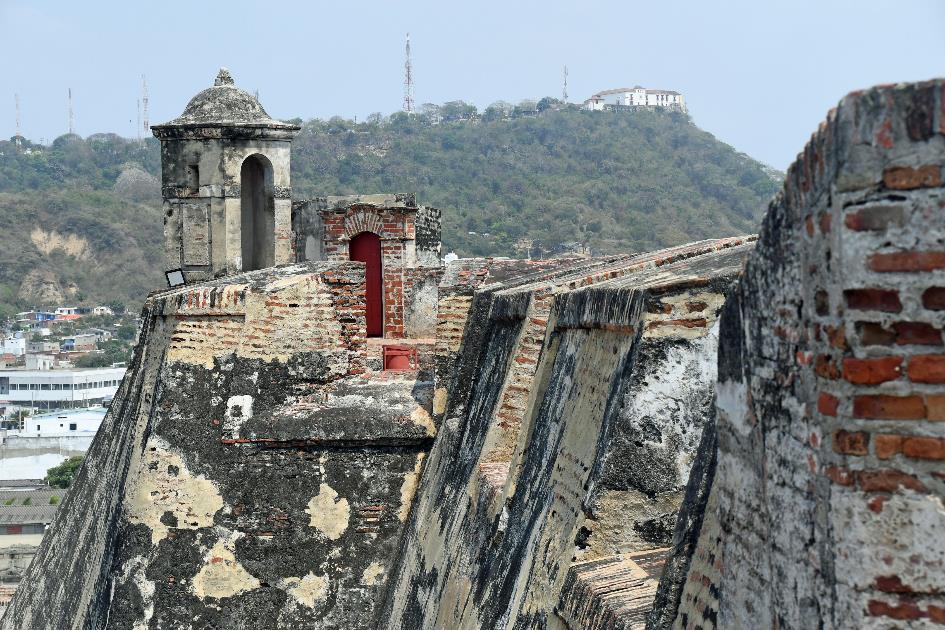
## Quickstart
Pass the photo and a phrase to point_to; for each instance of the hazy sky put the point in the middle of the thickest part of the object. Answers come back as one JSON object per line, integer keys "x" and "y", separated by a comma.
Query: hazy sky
{"x": 759, "y": 74}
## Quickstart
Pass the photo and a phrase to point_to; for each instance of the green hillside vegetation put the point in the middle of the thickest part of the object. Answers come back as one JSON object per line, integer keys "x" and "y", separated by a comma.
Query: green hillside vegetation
{"x": 80, "y": 220}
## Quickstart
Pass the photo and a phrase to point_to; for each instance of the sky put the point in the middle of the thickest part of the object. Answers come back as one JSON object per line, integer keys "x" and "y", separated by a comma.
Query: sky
{"x": 758, "y": 74}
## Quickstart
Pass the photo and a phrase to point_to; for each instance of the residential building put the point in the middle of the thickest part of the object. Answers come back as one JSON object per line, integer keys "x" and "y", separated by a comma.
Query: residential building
{"x": 41, "y": 347}
{"x": 100, "y": 334}
{"x": 78, "y": 343}
{"x": 15, "y": 345}
{"x": 40, "y": 362}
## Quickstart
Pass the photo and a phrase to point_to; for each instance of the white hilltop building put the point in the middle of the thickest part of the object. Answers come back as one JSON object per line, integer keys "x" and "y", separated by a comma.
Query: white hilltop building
{"x": 635, "y": 97}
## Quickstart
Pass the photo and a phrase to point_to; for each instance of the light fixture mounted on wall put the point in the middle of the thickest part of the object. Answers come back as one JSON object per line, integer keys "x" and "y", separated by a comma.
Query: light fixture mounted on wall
{"x": 175, "y": 278}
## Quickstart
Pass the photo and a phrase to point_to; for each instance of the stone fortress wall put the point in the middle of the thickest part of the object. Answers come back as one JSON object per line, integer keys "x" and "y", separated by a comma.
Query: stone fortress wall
{"x": 673, "y": 439}
{"x": 825, "y": 507}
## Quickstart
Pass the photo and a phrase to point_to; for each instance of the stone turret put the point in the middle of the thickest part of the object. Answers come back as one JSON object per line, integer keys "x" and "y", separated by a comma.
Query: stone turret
{"x": 225, "y": 182}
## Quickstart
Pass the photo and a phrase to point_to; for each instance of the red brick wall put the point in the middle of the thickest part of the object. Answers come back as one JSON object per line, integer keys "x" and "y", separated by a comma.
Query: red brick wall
{"x": 396, "y": 227}
{"x": 832, "y": 381}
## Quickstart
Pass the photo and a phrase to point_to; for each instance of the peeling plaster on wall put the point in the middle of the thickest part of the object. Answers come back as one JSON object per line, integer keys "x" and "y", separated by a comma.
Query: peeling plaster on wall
{"x": 308, "y": 590}
{"x": 439, "y": 401}
{"x": 329, "y": 514}
{"x": 409, "y": 488}
{"x": 163, "y": 486}
{"x": 672, "y": 397}
{"x": 239, "y": 409}
{"x": 135, "y": 571}
{"x": 370, "y": 575}
{"x": 612, "y": 520}
{"x": 222, "y": 575}
{"x": 422, "y": 418}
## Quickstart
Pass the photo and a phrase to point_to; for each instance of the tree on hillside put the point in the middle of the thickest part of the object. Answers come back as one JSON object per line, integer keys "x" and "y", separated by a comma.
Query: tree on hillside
{"x": 458, "y": 110}
{"x": 63, "y": 475}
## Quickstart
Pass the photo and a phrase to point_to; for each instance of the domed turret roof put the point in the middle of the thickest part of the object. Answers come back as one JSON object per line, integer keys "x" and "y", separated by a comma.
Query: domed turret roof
{"x": 224, "y": 104}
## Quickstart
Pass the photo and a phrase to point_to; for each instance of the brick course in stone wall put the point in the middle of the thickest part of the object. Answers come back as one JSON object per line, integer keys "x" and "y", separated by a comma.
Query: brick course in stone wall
{"x": 828, "y": 494}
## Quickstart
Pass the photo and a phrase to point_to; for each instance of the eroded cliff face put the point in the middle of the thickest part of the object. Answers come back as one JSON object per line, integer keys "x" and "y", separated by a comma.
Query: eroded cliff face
{"x": 252, "y": 473}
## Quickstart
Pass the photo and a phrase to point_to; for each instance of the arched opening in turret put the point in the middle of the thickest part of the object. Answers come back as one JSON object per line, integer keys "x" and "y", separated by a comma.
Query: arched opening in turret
{"x": 257, "y": 213}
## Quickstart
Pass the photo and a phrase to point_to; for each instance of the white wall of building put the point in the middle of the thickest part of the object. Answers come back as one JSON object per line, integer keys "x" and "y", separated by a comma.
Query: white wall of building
{"x": 72, "y": 422}
{"x": 58, "y": 388}
{"x": 13, "y": 345}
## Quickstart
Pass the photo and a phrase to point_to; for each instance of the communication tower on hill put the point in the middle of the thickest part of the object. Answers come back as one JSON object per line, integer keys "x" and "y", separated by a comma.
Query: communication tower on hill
{"x": 71, "y": 116}
{"x": 19, "y": 136}
{"x": 564, "y": 91}
{"x": 408, "y": 81}
{"x": 146, "y": 125}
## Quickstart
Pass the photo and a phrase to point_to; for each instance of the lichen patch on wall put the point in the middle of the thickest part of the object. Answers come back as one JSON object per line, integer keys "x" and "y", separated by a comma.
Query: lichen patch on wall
{"x": 164, "y": 491}
{"x": 372, "y": 573}
{"x": 409, "y": 488}
{"x": 308, "y": 590}
{"x": 329, "y": 514}
{"x": 223, "y": 575}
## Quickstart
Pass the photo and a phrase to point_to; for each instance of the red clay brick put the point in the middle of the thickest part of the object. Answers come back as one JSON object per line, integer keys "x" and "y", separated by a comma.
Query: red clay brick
{"x": 851, "y": 442}
{"x": 825, "y": 367}
{"x": 917, "y": 333}
{"x": 839, "y": 475}
{"x": 935, "y": 408}
{"x": 927, "y": 368}
{"x": 827, "y": 404}
{"x": 934, "y": 298}
{"x": 887, "y": 480}
{"x": 891, "y": 584}
{"x": 887, "y": 445}
{"x": 906, "y": 177}
{"x": 872, "y": 371}
{"x": 936, "y": 613}
{"x": 885, "y": 300}
{"x": 837, "y": 337}
{"x": 874, "y": 218}
{"x": 923, "y": 447}
{"x": 881, "y": 406}
{"x": 907, "y": 261}
{"x": 905, "y": 609}
{"x": 873, "y": 334}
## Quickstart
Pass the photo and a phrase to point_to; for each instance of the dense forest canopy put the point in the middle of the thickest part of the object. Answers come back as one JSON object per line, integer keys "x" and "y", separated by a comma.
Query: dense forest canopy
{"x": 81, "y": 218}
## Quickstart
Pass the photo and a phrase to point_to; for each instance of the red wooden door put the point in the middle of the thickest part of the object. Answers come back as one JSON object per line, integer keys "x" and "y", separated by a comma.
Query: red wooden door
{"x": 366, "y": 247}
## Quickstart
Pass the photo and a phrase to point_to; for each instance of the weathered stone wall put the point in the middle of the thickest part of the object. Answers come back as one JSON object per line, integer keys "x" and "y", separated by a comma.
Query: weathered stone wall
{"x": 535, "y": 389}
{"x": 266, "y": 481}
{"x": 826, "y": 507}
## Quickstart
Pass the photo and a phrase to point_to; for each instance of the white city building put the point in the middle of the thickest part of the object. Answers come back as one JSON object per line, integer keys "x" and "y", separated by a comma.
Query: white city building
{"x": 58, "y": 389}
{"x": 62, "y": 423}
{"x": 635, "y": 97}
{"x": 15, "y": 345}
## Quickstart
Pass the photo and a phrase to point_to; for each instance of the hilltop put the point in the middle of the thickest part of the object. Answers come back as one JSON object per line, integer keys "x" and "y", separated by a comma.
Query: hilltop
{"x": 80, "y": 220}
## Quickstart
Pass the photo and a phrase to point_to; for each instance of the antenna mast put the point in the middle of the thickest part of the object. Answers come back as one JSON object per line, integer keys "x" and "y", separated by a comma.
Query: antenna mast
{"x": 71, "y": 116}
{"x": 564, "y": 92}
{"x": 138, "y": 127}
{"x": 408, "y": 81}
{"x": 19, "y": 137}
{"x": 144, "y": 105}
